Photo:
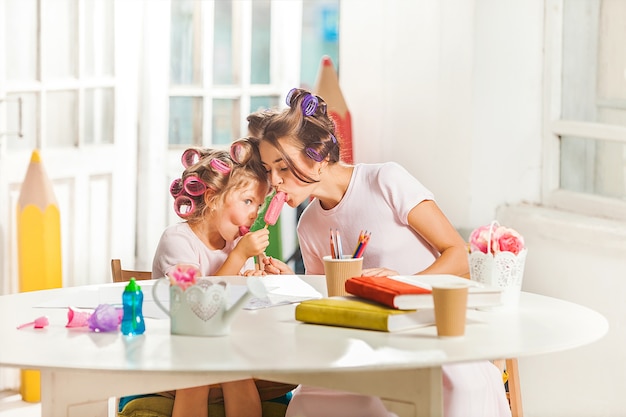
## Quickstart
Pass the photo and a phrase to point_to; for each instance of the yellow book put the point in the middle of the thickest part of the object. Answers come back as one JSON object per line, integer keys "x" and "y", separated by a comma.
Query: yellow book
{"x": 361, "y": 314}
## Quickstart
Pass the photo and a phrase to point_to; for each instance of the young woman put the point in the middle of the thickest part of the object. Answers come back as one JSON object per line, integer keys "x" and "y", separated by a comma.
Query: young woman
{"x": 409, "y": 235}
{"x": 218, "y": 198}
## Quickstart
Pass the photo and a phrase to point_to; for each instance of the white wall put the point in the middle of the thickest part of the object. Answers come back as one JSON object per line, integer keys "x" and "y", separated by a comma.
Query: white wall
{"x": 452, "y": 90}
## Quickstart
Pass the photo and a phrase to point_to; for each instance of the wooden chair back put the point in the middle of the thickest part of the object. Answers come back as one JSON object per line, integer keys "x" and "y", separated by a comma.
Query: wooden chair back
{"x": 123, "y": 275}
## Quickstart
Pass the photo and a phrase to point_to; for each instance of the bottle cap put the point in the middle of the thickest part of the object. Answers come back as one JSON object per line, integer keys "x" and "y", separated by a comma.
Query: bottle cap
{"x": 132, "y": 285}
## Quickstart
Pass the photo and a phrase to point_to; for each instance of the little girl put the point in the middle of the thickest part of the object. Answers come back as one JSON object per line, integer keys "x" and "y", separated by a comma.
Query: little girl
{"x": 218, "y": 196}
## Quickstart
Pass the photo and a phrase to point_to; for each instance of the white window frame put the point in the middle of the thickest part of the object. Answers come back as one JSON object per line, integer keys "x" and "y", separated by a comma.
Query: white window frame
{"x": 554, "y": 127}
{"x": 284, "y": 61}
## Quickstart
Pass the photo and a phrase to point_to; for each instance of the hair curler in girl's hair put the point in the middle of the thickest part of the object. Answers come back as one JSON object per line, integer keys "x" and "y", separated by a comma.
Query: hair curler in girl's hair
{"x": 191, "y": 185}
{"x": 184, "y": 206}
{"x": 190, "y": 157}
{"x": 220, "y": 166}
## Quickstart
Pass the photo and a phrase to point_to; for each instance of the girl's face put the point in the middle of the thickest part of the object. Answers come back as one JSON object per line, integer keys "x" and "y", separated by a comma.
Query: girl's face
{"x": 239, "y": 210}
{"x": 280, "y": 175}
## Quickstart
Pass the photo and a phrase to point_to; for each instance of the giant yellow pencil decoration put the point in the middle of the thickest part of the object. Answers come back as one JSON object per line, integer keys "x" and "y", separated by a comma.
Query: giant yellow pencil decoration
{"x": 39, "y": 247}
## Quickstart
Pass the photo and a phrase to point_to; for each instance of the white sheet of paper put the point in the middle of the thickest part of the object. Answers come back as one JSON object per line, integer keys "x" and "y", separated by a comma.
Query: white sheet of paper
{"x": 281, "y": 289}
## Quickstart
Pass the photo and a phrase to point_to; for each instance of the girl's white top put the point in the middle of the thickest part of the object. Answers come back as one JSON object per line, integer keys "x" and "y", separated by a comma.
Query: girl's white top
{"x": 180, "y": 245}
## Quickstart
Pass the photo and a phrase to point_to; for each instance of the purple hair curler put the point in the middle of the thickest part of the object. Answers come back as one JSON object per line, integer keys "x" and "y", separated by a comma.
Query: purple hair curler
{"x": 313, "y": 154}
{"x": 309, "y": 105}
{"x": 290, "y": 95}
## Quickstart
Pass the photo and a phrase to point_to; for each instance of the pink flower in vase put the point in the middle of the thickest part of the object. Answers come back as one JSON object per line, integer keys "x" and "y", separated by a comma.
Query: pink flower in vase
{"x": 503, "y": 239}
{"x": 184, "y": 276}
{"x": 479, "y": 239}
{"x": 507, "y": 240}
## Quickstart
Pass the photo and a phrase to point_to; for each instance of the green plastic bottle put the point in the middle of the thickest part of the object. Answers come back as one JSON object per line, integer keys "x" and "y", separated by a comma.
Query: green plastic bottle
{"x": 132, "y": 301}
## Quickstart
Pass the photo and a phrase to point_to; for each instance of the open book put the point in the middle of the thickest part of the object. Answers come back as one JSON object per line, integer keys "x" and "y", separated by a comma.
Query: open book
{"x": 410, "y": 292}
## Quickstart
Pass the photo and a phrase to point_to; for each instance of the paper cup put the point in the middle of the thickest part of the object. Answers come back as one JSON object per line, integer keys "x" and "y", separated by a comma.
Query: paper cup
{"x": 450, "y": 309}
{"x": 338, "y": 271}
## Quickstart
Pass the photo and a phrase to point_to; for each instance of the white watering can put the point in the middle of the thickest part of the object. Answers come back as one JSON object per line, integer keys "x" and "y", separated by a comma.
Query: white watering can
{"x": 201, "y": 309}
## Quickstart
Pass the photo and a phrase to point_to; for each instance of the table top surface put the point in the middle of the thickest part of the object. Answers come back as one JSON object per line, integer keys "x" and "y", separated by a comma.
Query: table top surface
{"x": 271, "y": 340}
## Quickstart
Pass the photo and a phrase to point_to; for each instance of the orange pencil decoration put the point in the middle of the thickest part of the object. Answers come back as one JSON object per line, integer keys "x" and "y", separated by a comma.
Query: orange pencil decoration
{"x": 327, "y": 87}
{"x": 39, "y": 247}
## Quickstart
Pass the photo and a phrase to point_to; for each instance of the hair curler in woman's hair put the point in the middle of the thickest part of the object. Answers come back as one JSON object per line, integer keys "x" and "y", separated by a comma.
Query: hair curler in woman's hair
{"x": 310, "y": 103}
{"x": 325, "y": 147}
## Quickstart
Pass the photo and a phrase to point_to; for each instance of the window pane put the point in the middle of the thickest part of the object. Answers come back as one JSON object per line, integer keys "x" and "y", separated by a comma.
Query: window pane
{"x": 320, "y": 36}
{"x": 29, "y": 121}
{"x": 185, "y": 125}
{"x": 261, "y": 29}
{"x": 98, "y": 39}
{"x": 185, "y": 43}
{"x": 262, "y": 103}
{"x": 594, "y": 59}
{"x": 593, "y": 90}
{"x": 225, "y": 121}
{"x": 59, "y": 32}
{"x": 61, "y": 123}
{"x": 98, "y": 124}
{"x": 593, "y": 167}
{"x": 20, "y": 34}
{"x": 223, "y": 71}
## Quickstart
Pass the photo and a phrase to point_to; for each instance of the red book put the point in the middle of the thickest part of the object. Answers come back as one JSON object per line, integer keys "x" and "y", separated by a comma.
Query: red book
{"x": 412, "y": 292}
{"x": 382, "y": 289}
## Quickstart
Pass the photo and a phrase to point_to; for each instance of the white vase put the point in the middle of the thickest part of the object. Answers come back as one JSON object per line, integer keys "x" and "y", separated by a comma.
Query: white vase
{"x": 504, "y": 270}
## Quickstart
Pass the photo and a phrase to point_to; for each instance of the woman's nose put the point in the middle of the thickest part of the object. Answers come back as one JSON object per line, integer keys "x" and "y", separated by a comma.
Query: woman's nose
{"x": 275, "y": 178}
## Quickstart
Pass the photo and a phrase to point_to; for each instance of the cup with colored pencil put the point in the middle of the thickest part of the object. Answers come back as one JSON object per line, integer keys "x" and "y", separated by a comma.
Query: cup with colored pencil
{"x": 338, "y": 271}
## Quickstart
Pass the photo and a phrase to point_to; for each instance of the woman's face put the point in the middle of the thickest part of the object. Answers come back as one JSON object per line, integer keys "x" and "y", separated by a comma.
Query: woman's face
{"x": 280, "y": 175}
{"x": 239, "y": 210}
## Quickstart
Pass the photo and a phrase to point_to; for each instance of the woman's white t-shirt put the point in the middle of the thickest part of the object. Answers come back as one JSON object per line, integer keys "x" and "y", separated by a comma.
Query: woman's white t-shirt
{"x": 378, "y": 199}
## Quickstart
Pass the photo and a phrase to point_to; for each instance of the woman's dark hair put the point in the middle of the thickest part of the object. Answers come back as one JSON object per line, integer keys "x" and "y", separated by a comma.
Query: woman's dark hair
{"x": 308, "y": 126}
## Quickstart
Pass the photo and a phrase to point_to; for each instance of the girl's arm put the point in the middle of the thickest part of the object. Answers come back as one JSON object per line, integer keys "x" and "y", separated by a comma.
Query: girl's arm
{"x": 251, "y": 244}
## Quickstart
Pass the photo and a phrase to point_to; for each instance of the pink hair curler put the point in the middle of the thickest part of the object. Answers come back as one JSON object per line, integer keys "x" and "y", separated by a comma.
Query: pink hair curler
{"x": 190, "y": 157}
{"x": 220, "y": 166}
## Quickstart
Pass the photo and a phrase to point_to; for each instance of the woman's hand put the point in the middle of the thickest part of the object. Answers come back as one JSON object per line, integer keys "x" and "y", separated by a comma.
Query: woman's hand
{"x": 275, "y": 267}
{"x": 378, "y": 272}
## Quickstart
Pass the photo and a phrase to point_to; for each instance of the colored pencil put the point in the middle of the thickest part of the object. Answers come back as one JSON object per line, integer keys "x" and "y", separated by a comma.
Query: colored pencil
{"x": 339, "y": 245}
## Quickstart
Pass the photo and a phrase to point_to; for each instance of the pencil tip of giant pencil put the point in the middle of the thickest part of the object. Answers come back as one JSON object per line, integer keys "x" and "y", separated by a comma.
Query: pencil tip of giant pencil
{"x": 35, "y": 157}
{"x": 326, "y": 61}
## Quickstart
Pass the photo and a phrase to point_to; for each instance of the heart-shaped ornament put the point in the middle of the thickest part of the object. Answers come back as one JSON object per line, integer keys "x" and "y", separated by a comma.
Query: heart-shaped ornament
{"x": 205, "y": 298}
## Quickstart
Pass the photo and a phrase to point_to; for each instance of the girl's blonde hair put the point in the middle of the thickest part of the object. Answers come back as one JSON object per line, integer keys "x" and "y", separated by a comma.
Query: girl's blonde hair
{"x": 220, "y": 172}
